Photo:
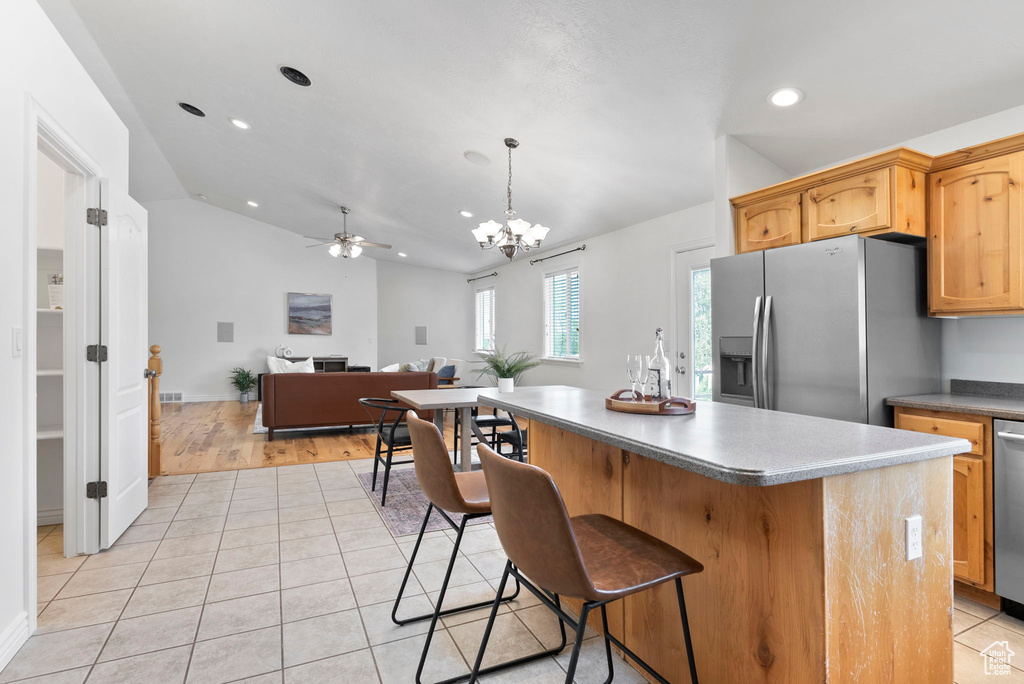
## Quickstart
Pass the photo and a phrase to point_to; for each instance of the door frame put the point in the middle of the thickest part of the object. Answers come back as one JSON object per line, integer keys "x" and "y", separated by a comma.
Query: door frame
{"x": 81, "y": 530}
{"x": 674, "y": 251}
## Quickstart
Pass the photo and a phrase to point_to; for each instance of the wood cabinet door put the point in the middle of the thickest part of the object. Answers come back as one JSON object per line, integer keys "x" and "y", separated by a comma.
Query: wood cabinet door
{"x": 969, "y": 519}
{"x": 974, "y": 237}
{"x": 851, "y": 205}
{"x": 768, "y": 224}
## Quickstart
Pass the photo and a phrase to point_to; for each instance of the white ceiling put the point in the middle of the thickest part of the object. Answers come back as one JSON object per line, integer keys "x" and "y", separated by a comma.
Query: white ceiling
{"x": 616, "y": 103}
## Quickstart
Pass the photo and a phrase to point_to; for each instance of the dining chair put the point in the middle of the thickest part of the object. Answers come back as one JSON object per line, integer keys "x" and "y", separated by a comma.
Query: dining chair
{"x": 388, "y": 417}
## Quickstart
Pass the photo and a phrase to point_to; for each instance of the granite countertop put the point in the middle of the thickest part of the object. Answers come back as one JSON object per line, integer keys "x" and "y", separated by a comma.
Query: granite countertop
{"x": 734, "y": 444}
{"x": 976, "y": 404}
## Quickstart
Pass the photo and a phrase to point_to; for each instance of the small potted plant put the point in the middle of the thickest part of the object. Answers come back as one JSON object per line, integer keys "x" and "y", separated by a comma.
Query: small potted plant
{"x": 243, "y": 380}
{"x": 507, "y": 368}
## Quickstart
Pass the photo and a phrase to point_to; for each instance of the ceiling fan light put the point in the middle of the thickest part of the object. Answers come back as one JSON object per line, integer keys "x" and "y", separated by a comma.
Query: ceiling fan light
{"x": 354, "y": 251}
{"x": 335, "y": 249}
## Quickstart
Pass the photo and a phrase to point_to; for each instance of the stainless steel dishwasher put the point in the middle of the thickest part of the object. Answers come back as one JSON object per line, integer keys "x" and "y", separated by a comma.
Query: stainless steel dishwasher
{"x": 1008, "y": 499}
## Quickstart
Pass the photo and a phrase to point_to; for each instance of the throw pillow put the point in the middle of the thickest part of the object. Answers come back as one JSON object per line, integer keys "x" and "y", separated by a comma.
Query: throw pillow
{"x": 437, "y": 363}
{"x": 445, "y": 374}
{"x": 277, "y": 365}
{"x": 393, "y": 368}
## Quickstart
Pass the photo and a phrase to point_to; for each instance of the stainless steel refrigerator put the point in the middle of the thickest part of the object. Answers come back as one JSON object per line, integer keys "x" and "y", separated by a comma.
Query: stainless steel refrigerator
{"x": 828, "y": 328}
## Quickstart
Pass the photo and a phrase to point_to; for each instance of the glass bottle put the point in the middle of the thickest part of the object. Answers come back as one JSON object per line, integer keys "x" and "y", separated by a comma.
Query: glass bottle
{"x": 660, "y": 380}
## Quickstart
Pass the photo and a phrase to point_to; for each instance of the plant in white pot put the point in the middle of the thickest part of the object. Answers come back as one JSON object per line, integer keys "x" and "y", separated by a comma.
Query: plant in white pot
{"x": 507, "y": 368}
{"x": 243, "y": 380}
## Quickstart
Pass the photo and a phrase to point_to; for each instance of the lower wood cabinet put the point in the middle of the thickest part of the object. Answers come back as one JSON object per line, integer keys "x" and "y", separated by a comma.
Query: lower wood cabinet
{"x": 973, "y": 559}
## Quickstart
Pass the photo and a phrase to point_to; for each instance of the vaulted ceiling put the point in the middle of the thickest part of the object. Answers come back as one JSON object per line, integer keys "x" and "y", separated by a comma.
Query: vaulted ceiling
{"x": 616, "y": 103}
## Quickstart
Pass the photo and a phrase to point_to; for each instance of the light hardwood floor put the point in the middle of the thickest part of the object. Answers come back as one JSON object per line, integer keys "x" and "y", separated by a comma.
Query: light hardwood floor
{"x": 200, "y": 437}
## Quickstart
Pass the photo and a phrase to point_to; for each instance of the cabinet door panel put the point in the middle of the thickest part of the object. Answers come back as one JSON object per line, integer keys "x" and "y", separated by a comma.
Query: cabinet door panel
{"x": 850, "y": 205}
{"x": 975, "y": 237}
{"x": 773, "y": 223}
{"x": 969, "y": 518}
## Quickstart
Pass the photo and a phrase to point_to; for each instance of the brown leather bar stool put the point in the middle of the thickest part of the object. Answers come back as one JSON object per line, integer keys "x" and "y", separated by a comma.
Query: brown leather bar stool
{"x": 591, "y": 557}
{"x": 448, "y": 491}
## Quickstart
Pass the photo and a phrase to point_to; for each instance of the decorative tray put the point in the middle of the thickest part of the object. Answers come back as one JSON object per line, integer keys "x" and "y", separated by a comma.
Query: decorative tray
{"x": 639, "y": 403}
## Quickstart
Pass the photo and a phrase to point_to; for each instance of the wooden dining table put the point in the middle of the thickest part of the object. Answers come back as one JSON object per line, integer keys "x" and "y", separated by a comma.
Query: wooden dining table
{"x": 464, "y": 400}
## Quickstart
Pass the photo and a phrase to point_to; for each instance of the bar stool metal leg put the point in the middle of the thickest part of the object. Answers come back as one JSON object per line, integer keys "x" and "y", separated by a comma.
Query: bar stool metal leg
{"x": 387, "y": 475}
{"x": 581, "y": 630}
{"x": 686, "y": 631}
{"x": 376, "y": 463}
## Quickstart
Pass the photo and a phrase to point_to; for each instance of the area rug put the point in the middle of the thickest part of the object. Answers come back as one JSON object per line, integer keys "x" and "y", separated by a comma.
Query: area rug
{"x": 406, "y": 504}
{"x": 259, "y": 429}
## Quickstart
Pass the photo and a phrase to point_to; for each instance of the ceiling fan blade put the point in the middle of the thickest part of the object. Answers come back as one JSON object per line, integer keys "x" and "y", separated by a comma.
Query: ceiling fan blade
{"x": 374, "y": 244}
{"x": 310, "y": 237}
{"x": 321, "y": 244}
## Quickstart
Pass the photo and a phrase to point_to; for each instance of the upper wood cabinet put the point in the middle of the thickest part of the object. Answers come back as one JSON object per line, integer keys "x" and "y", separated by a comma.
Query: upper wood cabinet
{"x": 772, "y": 223}
{"x": 880, "y": 195}
{"x": 974, "y": 239}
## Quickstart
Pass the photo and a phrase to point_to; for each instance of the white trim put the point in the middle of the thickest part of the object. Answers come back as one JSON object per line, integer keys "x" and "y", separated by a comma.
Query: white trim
{"x": 50, "y": 516}
{"x": 14, "y": 637}
{"x": 561, "y": 360}
{"x": 674, "y": 251}
{"x": 187, "y": 398}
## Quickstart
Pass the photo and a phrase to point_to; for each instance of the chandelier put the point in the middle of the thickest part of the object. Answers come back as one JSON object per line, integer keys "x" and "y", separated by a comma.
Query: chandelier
{"x": 515, "y": 234}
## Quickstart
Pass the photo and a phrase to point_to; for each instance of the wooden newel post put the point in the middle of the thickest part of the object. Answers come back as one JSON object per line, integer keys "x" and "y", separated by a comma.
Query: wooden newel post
{"x": 156, "y": 368}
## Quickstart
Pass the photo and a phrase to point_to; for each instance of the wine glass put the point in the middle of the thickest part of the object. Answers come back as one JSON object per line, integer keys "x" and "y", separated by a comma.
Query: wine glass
{"x": 634, "y": 368}
{"x": 645, "y": 371}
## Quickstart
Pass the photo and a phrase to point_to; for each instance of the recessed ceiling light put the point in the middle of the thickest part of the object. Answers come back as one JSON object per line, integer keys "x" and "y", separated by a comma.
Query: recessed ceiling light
{"x": 201, "y": 196}
{"x": 785, "y": 97}
{"x": 241, "y": 124}
{"x": 402, "y": 254}
{"x": 191, "y": 109}
{"x": 478, "y": 158}
{"x": 252, "y": 204}
{"x": 467, "y": 214}
{"x": 295, "y": 76}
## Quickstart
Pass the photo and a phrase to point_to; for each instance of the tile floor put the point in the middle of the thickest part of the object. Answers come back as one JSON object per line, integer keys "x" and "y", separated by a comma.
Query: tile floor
{"x": 274, "y": 575}
{"x": 287, "y": 575}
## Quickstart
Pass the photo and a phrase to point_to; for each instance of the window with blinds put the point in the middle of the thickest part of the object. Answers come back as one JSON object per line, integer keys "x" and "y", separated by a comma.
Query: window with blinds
{"x": 485, "y": 319}
{"x": 562, "y": 314}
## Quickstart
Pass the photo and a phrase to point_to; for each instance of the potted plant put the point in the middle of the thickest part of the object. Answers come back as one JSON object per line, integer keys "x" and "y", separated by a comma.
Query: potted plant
{"x": 507, "y": 368}
{"x": 243, "y": 380}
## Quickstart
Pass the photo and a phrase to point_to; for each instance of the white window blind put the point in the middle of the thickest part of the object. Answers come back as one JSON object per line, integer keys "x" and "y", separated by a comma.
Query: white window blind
{"x": 485, "y": 319}
{"x": 562, "y": 314}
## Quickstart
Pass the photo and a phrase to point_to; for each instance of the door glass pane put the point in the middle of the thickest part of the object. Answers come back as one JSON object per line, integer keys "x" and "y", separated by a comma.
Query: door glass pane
{"x": 700, "y": 324}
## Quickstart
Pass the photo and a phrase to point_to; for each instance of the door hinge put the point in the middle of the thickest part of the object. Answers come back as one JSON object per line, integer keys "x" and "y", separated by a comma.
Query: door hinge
{"x": 96, "y": 353}
{"x": 96, "y": 490}
{"x": 96, "y": 217}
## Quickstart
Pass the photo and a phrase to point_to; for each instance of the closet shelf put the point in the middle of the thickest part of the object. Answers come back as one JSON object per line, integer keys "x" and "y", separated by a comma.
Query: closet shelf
{"x": 50, "y": 432}
{"x": 50, "y": 373}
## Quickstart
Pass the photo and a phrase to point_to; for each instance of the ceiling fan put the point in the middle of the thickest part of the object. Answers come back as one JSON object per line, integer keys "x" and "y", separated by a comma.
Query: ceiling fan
{"x": 345, "y": 244}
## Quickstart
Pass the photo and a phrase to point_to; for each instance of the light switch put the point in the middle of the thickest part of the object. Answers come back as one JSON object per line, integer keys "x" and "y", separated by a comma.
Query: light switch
{"x": 17, "y": 341}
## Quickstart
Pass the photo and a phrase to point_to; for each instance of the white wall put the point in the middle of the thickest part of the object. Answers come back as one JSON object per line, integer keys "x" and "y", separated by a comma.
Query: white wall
{"x": 625, "y": 293}
{"x": 410, "y": 296}
{"x": 47, "y": 72}
{"x": 738, "y": 170}
{"x": 208, "y": 265}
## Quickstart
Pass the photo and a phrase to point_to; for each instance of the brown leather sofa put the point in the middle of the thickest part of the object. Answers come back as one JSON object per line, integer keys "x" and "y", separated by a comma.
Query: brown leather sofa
{"x": 301, "y": 400}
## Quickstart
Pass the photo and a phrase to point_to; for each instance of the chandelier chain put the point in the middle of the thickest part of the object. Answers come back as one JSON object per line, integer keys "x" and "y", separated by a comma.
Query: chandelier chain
{"x": 510, "y": 212}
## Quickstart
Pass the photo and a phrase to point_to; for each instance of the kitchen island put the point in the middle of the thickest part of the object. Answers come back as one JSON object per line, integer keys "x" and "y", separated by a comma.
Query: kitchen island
{"x": 799, "y": 522}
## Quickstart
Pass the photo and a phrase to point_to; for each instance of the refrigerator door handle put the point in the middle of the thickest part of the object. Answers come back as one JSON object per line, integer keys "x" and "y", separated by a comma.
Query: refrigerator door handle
{"x": 766, "y": 396}
{"x": 753, "y": 352}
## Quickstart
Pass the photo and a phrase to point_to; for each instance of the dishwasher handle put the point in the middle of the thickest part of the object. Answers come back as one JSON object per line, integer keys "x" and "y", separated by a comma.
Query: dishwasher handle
{"x": 1010, "y": 436}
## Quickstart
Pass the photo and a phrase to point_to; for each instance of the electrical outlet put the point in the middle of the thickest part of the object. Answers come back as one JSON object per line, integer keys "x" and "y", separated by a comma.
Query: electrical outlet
{"x": 914, "y": 542}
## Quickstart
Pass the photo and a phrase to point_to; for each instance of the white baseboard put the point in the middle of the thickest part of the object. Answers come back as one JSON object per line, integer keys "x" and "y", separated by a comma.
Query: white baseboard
{"x": 214, "y": 397}
{"x": 13, "y": 638}
{"x": 50, "y": 516}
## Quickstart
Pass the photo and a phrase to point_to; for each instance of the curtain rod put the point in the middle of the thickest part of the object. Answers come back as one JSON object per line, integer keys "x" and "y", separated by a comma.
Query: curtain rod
{"x": 568, "y": 251}
{"x": 489, "y": 275}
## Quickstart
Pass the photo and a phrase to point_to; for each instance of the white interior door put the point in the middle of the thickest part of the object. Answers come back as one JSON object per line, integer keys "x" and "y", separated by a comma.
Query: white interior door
{"x": 124, "y": 330}
{"x": 692, "y": 355}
